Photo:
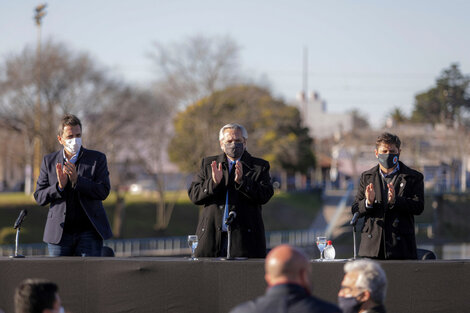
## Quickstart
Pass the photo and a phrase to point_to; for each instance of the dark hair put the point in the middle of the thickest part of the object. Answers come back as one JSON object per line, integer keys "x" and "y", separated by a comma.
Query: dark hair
{"x": 35, "y": 295}
{"x": 388, "y": 139}
{"x": 68, "y": 120}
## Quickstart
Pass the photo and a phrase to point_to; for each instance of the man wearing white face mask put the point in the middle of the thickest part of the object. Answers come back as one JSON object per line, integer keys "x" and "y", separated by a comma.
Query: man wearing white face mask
{"x": 74, "y": 181}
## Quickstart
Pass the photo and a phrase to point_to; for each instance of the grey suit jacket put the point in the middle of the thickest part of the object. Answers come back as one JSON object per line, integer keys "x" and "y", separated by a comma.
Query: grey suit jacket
{"x": 92, "y": 185}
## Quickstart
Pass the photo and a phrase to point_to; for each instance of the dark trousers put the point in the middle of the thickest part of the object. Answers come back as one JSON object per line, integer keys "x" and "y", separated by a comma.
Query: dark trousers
{"x": 86, "y": 243}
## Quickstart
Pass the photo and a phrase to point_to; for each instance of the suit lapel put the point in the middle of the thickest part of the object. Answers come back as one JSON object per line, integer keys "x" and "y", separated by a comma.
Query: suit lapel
{"x": 60, "y": 157}
{"x": 246, "y": 163}
{"x": 377, "y": 185}
{"x": 81, "y": 155}
{"x": 222, "y": 159}
{"x": 400, "y": 185}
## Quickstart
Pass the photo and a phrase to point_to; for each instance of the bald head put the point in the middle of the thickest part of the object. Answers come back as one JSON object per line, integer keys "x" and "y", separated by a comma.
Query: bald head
{"x": 286, "y": 264}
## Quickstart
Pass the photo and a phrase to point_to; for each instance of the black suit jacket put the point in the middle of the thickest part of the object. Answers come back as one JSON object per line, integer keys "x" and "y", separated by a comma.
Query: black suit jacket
{"x": 248, "y": 238}
{"x": 286, "y": 298}
{"x": 92, "y": 185}
{"x": 394, "y": 220}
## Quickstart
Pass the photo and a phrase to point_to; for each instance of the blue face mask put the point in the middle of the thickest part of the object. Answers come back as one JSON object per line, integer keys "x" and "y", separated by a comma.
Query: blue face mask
{"x": 388, "y": 160}
{"x": 349, "y": 304}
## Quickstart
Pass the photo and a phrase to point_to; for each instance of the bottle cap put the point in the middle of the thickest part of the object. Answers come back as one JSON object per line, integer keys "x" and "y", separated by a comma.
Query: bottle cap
{"x": 329, "y": 242}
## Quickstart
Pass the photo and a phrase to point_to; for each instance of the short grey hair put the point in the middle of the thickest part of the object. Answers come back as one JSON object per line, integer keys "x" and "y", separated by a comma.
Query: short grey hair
{"x": 233, "y": 126}
{"x": 370, "y": 277}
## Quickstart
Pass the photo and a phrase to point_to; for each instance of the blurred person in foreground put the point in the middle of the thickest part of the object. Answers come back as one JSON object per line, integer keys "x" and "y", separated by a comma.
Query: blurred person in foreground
{"x": 287, "y": 273}
{"x": 388, "y": 197}
{"x": 363, "y": 288}
{"x": 74, "y": 181}
{"x": 37, "y": 296}
{"x": 232, "y": 183}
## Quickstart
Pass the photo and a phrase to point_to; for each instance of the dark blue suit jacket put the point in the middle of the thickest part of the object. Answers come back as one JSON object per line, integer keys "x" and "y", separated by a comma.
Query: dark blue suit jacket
{"x": 286, "y": 298}
{"x": 92, "y": 185}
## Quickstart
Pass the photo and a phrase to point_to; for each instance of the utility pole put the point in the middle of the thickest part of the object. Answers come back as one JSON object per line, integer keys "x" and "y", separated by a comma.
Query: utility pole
{"x": 305, "y": 85}
{"x": 40, "y": 13}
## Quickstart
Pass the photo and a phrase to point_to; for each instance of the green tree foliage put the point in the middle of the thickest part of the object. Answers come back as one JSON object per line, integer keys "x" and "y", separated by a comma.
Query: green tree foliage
{"x": 448, "y": 102}
{"x": 398, "y": 116}
{"x": 274, "y": 129}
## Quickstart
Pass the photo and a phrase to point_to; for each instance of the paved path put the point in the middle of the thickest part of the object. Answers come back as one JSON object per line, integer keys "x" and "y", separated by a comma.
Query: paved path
{"x": 331, "y": 212}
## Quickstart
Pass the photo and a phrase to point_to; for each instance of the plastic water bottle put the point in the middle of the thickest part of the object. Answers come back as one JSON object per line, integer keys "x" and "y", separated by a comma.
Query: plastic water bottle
{"x": 329, "y": 251}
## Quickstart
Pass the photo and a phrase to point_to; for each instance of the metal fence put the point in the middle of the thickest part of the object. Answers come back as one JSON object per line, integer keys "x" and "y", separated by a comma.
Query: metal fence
{"x": 167, "y": 246}
{"x": 176, "y": 246}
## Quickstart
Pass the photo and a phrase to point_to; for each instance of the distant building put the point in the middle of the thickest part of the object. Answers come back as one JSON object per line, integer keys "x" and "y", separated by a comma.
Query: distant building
{"x": 439, "y": 152}
{"x": 321, "y": 123}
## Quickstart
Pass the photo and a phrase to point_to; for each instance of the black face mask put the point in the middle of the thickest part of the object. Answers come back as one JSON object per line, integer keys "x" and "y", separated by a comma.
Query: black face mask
{"x": 234, "y": 149}
{"x": 388, "y": 160}
{"x": 349, "y": 304}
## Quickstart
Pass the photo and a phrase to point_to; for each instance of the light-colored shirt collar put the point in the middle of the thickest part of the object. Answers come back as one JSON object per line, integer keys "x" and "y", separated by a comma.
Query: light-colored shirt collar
{"x": 397, "y": 168}
{"x": 74, "y": 158}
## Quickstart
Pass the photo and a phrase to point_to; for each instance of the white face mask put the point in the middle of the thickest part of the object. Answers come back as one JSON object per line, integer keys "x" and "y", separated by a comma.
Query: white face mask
{"x": 73, "y": 145}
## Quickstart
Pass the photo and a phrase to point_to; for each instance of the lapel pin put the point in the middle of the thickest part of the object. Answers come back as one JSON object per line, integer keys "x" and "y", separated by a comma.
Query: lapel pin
{"x": 401, "y": 185}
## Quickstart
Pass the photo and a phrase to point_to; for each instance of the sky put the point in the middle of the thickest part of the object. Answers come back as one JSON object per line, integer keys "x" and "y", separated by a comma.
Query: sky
{"x": 369, "y": 55}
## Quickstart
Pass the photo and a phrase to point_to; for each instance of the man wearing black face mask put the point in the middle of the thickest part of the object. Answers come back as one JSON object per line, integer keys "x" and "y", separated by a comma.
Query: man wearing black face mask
{"x": 233, "y": 181}
{"x": 363, "y": 288}
{"x": 388, "y": 197}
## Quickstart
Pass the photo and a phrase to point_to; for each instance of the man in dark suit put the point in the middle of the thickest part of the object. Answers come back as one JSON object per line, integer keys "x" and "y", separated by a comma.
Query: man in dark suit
{"x": 231, "y": 184}
{"x": 287, "y": 273}
{"x": 74, "y": 181}
{"x": 388, "y": 197}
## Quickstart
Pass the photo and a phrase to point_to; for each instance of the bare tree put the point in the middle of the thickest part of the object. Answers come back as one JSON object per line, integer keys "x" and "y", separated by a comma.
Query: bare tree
{"x": 196, "y": 67}
{"x": 70, "y": 82}
{"x": 186, "y": 72}
{"x": 113, "y": 130}
{"x": 153, "y": 112}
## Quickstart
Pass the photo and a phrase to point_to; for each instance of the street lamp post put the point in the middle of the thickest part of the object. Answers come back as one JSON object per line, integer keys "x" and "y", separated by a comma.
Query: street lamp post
{"x": 40, "y": 13}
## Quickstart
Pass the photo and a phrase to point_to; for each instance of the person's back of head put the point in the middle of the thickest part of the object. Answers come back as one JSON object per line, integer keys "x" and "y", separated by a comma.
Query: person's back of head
{"x": 286, "y": 264}
{"x": 36, "y": 296}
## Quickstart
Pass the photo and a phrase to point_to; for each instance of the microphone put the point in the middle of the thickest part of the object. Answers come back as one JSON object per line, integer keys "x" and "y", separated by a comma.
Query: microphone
{"x": 230, "y": 218}
{"x": 354, "y": 219}
{"x": 20, "y": 218}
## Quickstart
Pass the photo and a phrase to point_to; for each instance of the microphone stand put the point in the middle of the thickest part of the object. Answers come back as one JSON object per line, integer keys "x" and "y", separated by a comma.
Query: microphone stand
{"x": 353, "y": 223}
{"x": 16, "y": 255}
{"x": 229, "y": 222}
{"x": 354, "y": 240}
{"x": 17, "y": 226}
{"x": 229, "y": 240}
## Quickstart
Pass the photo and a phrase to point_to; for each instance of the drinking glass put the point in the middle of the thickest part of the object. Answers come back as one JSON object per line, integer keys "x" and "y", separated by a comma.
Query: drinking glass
{"x": 192, "y": 242}
{"x": 321, "y": 244}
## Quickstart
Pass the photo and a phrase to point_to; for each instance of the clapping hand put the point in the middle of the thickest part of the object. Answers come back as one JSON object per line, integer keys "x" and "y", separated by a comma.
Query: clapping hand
{"x": 71, "y": 172}
{"x": 370, "y": 194}
{"x": 238, "y": 172}
{"x": 62, "y": 177}
{"x": 217, "y": 173}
